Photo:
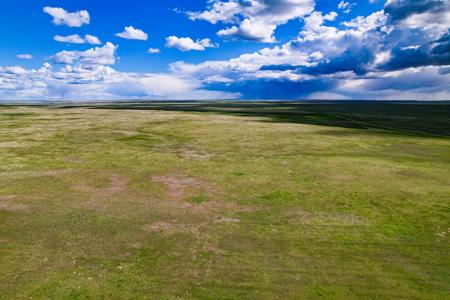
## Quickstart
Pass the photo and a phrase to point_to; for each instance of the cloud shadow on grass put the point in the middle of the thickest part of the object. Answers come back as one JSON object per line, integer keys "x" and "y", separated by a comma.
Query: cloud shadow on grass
{"x": 412, "y": 118}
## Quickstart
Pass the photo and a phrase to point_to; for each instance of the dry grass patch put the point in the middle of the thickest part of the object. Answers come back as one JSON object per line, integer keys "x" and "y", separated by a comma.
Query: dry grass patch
{"x": 227, "y": 220}
{"x": 117, "y": 184}
{"x": 7, "y": 203}
{"x": 75, "y": 160}
{"x": 192, "y": 153}
{"x": 206, "y": 217}
{"x": 98, "y": 198}
{"x": 172, "y": 228}
{"x": 443, "y": 234}
{"x": 275, "y": 210}
{"x": 180, "y": 188}
{"x": 322, "y": 218}
{"x": 31, "y": 174}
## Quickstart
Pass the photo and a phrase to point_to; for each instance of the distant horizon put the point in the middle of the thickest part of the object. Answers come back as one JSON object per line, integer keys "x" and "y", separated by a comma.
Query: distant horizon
{"x": 89, "y": 102}
{"x": 374, "y": 50}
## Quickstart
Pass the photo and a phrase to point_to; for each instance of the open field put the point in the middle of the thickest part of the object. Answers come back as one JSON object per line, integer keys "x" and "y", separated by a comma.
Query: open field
{"x": 225, "y": 201}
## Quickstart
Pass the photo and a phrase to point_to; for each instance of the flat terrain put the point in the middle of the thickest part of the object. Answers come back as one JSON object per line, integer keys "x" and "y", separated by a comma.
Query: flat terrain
{"x": 225, "y": 201}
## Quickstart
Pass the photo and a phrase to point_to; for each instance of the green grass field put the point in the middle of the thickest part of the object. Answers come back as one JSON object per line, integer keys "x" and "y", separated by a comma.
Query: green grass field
{"x": 225, "y": 200}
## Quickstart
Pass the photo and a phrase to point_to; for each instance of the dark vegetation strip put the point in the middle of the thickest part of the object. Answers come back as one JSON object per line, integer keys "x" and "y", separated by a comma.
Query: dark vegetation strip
{"x": 406, "y": 118}
{"x": 411, "y": 118}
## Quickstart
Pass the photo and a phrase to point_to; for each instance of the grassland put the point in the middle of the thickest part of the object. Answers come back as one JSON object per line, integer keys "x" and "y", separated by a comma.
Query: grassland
{"x": 225, "y": 201}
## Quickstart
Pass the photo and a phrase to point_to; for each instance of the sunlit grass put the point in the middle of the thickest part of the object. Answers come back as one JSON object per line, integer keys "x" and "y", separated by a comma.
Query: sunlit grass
{"x": 121, "y": 203}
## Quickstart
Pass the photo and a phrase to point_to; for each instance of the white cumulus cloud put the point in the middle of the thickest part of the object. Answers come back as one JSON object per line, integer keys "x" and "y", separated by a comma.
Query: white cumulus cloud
{"x": 153, "y": 51}
{"x": 91, "y": 39}
{"x": 131, "y": 33}
{"x": 76, "y": 39}
{"x": 98, "y": 82}
{"x": 254, "y": 19}
{"x": 25, "y": 56}
{"x": 62, "y": 17}
{"x": 105, "y": 55}
{"x": 188, "y": 44}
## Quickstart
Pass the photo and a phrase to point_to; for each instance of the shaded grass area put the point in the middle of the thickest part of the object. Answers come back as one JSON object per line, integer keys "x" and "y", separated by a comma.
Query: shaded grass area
{"x": 407, "y": 117}
{"x": 179, "y": 203}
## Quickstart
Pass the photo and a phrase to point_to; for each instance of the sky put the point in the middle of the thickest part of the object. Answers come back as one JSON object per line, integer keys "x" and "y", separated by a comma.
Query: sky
{"x": 87, "y": 50}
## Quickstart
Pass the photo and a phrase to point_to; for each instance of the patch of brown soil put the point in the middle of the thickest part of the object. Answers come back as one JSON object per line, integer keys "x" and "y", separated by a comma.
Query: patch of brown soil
{"x": 12, "y": 144}
{"x": 7, "y": 203}
{"x": 209, "y": 214}
{"x": 55, "y": 173}
{"x": 8, "y": 197}
{"x": 191, "y": 153}
{"x": 180, "y": 188}
{"x": 159, "y": 226}
{"x": 227, "y": 220}
{"x": 171, "y": 228}
{"x": 117, "y": 185}
{"x": 208, "y": 246}
{"x": 98, "y": 197}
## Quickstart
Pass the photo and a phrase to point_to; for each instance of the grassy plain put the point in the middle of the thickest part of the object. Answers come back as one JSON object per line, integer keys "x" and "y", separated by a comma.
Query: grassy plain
{"x": 225, "y": 200}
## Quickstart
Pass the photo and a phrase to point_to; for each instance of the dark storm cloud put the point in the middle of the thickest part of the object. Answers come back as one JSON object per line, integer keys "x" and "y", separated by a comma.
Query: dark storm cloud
{"x": 274, "y": 89}
{"x": 354, "y": 60}
{"x": 444, "y": 70}
{"x": 436, "y": 53}
{"x": 279, "y": 68}
{"x": 442, "y": 46}
{"x": 351, "y": 60}
{"x": 408, "y": 81}
{"x": 402, "y": 9}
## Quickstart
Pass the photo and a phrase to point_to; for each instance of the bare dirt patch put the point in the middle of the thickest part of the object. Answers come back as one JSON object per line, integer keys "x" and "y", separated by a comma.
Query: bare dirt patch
{"x": 172, "y": 228}
{"x": 101, "y": 199}
{"x": 180, "y": 188}
{"x": 192, "y": 153}
{"x": 117, "y": 185}
{"x": 159, "y": 226}
{"x": 227, "y": 220}
{"x": 55, "y": 173}
{"x": 207, "y": 216}
{"x": 7, "y": 203}
{"x": 13, "y": 144}
{"x": 8, "y": 197}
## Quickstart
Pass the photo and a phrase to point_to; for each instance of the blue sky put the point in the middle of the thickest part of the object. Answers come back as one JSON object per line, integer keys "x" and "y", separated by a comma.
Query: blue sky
{"x": 225, "y": 49}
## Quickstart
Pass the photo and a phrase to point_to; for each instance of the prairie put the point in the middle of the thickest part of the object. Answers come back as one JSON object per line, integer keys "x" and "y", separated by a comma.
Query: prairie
{"x": 225, "y": 200}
